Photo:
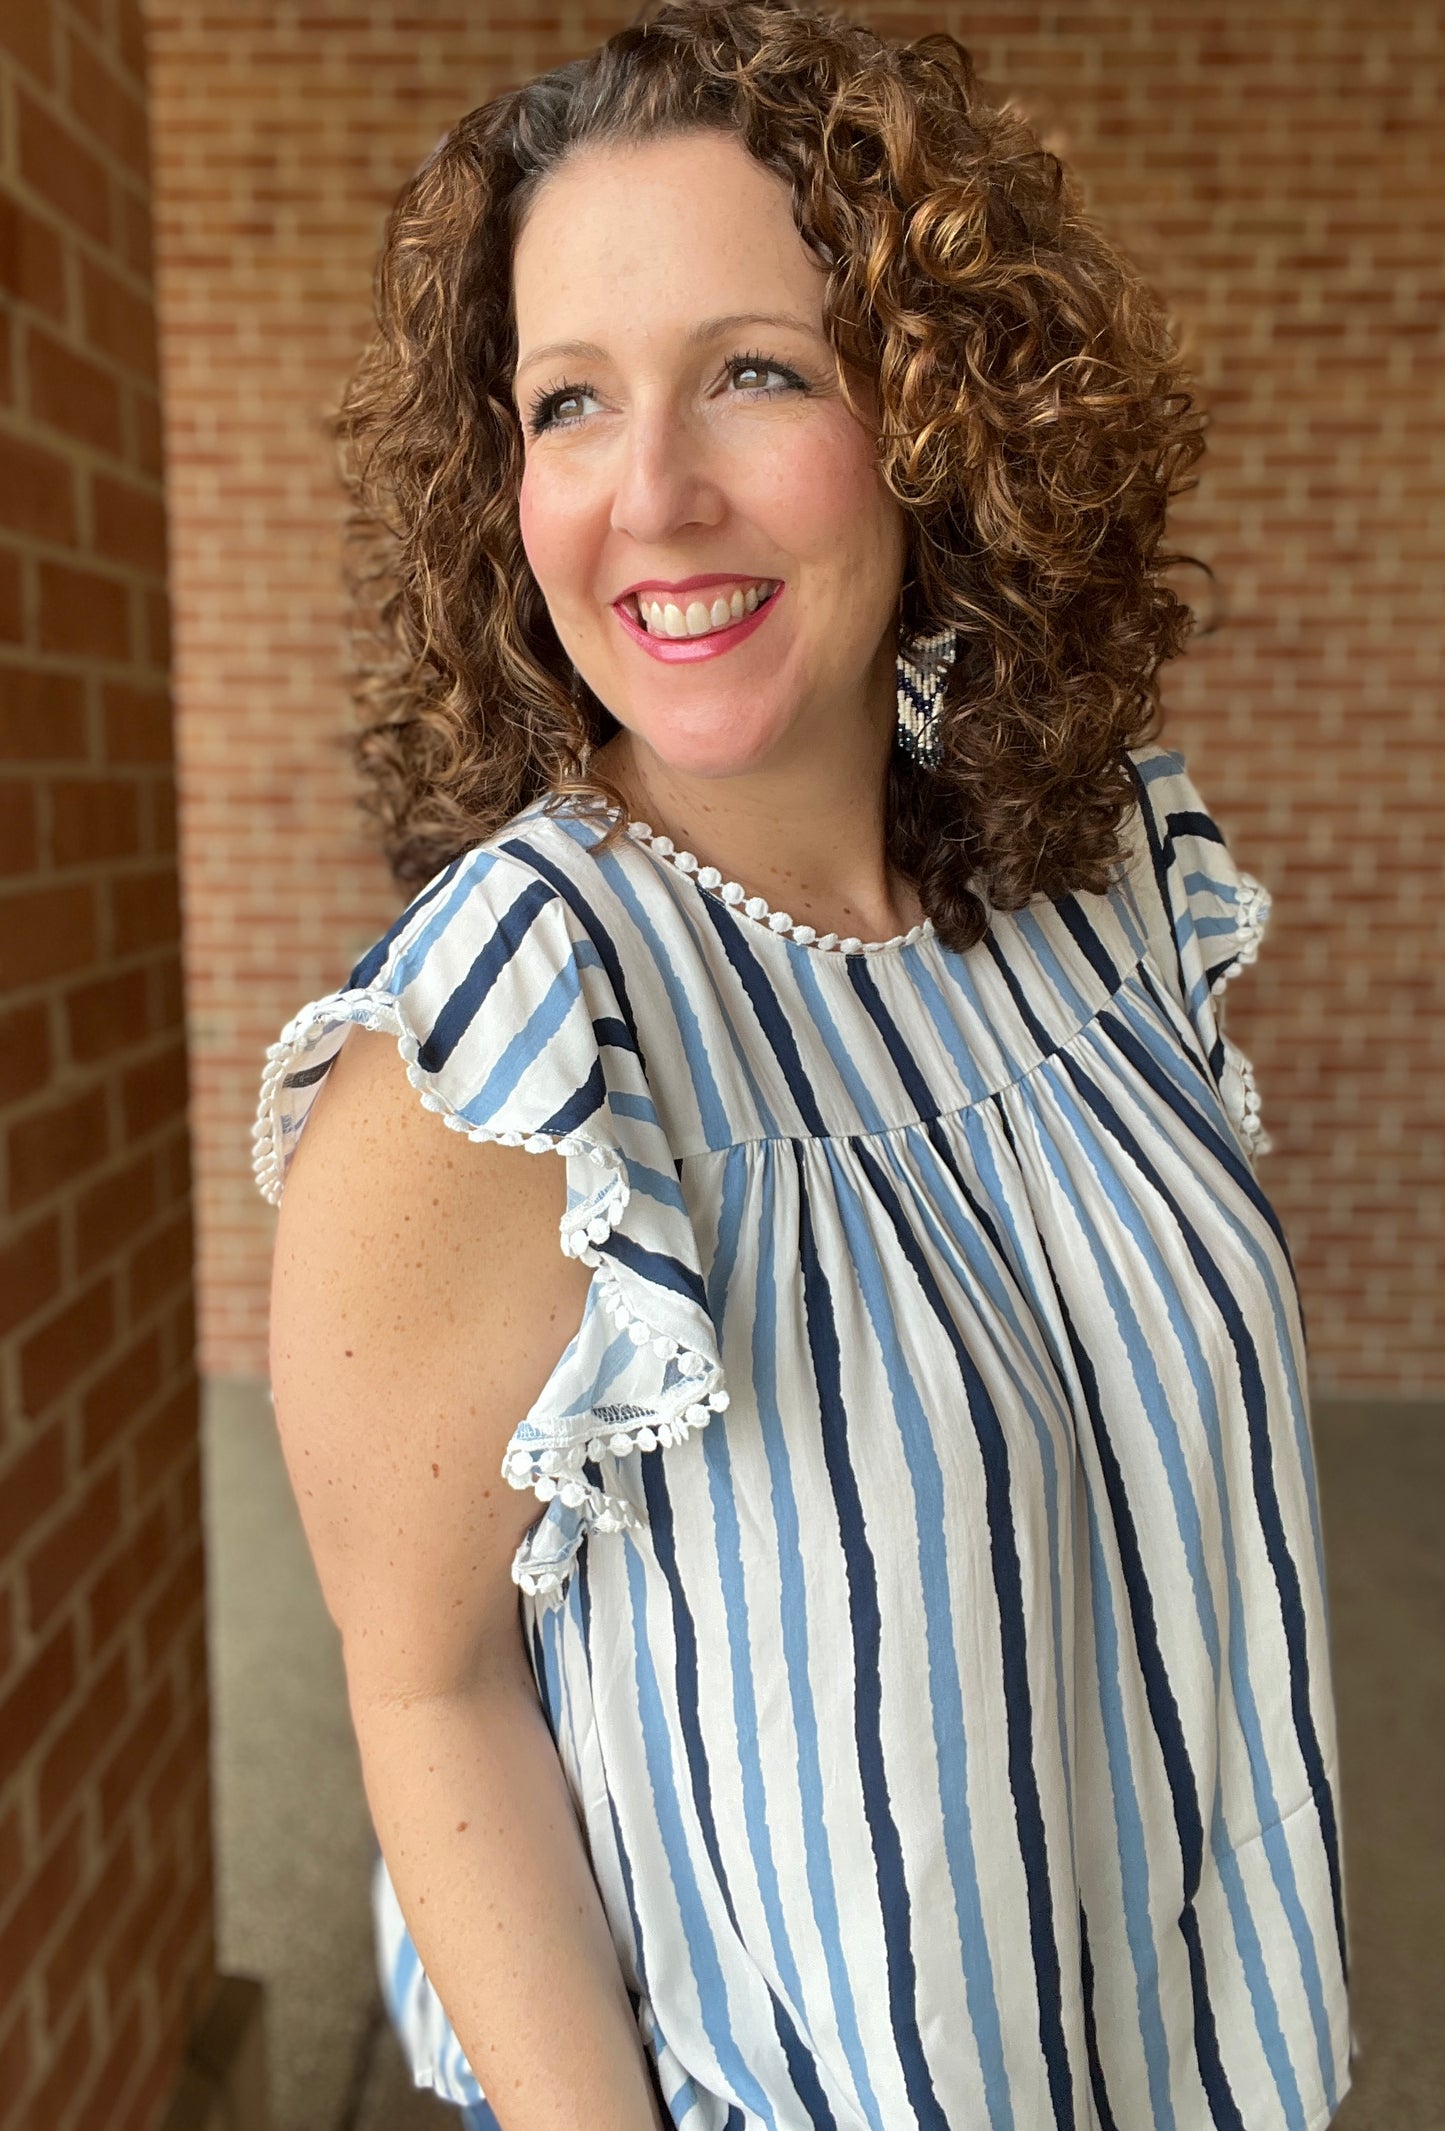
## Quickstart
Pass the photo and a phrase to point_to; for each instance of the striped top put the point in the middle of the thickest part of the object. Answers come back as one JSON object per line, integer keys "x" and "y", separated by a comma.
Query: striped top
{"x": 927, "y": 1601}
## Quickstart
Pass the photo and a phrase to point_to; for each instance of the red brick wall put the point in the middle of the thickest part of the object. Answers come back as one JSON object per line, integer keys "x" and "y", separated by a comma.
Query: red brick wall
{"x": 105, "y": 1861}
{"x": 1277, "y": 167}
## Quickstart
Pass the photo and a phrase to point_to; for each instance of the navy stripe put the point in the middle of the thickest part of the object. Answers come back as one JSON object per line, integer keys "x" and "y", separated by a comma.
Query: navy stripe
{"x": 1086, "y": 936}
{"x": 905, "y": 1064}
{"x": 375, "y": 957}
{"x": 1184, "y": 821}
{"x": 864, "y": 1622}
{"x": 466, "y": 1002}
{"x": 612, "y": 1033}
{"x": 771, "y": 1018}
{"x": 1163, "y": 1711}
{"x": 1159, "y": 861}
{"x": 807, "y": 2091}
{"x": 1267, "y": 1504}
{"x": 657, "y": 1267}
{"x": 1221, "y": 1141}
{"x": 1098, "y": 2087}
{"x": 978, "y": 1208}
{"x": 594, "y": 928}
{"x": 1026, "y": 1014}
{"x": 1018, "y": 1704}
{"x": 1200, "y": 1066}
{"x": 310, "y": 1075}
{"x": 585, "y": 1103}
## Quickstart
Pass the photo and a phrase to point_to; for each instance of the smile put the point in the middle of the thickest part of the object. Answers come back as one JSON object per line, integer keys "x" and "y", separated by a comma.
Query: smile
{"x": 703, "y": 628}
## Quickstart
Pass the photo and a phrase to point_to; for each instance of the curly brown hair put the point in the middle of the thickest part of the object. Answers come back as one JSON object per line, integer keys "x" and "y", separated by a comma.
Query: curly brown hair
{"x": 1035, "y": 421}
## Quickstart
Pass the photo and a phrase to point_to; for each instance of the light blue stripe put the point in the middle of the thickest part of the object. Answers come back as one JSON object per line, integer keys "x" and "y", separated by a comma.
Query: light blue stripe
{"x": 806, "y": 973}
{"x": 660, "y": 1745}
{"x": 1129, "y": 1828}
{"x": 641, "y": 1107}
{"x": 523, "y": 1056}
{"x": 1187, "y": 1510}
{"x": 407, "y": 961}
{"x": 1158, "y": 768}
{"x": 941, "y": 1636}
{"x": 1127, "y": 910}
{"x": 798, "y": 1644}
{"x": 1266, "y": 1807}
{"x": 951, "y": 1225}
{"x": 1050, "y": 966}
{"x": 728, "y": 1542}
{"x": 1200, "y": 1091}
{"x": 949, "y": 1028}
{"x": 662, "y": 1190}
{"x": 711, "y": 1109}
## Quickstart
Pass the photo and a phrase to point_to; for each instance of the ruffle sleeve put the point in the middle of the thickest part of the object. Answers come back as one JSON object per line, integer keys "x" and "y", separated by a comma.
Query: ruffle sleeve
{"x": 1209, "y": 917}
{"x": 513, "y": 1023}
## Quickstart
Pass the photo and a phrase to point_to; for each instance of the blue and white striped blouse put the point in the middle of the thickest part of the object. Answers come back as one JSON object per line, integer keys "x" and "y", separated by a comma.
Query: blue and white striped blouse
{"x": 928, "y": 1603}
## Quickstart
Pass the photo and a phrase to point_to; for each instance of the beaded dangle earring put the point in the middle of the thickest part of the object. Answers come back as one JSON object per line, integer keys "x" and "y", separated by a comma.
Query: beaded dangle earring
{"x": 921, "y": 672}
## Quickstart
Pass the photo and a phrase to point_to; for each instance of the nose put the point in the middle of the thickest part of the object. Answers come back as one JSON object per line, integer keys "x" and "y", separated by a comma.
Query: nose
{"x": 664, "y": 480}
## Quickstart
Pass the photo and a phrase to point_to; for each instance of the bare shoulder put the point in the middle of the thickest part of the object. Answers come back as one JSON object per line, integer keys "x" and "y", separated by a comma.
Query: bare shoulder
{"x": 420, "y": 1301}
{"x": 370, "y": 1136}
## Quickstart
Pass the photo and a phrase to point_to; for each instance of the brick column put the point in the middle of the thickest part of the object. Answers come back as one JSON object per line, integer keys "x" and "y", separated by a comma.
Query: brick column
{"x": 105, "y": 1841}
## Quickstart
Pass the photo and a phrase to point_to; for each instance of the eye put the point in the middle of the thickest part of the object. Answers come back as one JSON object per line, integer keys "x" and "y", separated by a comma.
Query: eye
{"x": 547, "y": 410}
{"x": 758, "y": 365}
{"x": 544, "y": 409}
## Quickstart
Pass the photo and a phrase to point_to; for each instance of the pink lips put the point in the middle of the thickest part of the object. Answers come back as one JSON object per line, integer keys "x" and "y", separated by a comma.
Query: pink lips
{"x": 682, "y": 650}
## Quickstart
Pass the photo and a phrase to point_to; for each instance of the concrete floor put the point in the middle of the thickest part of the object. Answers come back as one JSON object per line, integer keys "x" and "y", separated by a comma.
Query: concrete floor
{"x": 1382, "y": 1487}
{"x": 295, "y": 1844}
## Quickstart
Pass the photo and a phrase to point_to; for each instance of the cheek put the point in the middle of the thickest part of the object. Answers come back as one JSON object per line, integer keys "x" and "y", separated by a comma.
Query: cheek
{"x": 823, "y": 490}
{"x": 534, "y": 523}
{"x": 550, "y": 533}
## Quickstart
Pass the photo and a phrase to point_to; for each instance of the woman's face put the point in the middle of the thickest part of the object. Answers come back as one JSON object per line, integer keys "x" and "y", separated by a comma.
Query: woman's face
{"x": 691, "y": 440}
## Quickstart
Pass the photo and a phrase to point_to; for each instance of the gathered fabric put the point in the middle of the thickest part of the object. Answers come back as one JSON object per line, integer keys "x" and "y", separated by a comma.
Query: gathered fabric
{"x": 926, "y": 1596}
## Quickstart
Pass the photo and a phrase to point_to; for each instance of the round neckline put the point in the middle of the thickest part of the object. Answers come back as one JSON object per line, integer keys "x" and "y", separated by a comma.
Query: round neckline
{"x": 735, "y": 897}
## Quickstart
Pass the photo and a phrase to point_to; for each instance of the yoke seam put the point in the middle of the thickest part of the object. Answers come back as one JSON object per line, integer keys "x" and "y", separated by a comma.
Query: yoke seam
{"x": 913, "y": 1124}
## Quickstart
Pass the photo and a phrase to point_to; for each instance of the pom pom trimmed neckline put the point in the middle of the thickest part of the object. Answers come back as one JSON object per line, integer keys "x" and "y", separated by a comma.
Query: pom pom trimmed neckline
{"x": 736, "y": 897}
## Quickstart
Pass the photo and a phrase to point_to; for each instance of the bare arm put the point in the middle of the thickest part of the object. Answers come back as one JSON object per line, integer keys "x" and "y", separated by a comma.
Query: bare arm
{"x": 419, "y": 1303}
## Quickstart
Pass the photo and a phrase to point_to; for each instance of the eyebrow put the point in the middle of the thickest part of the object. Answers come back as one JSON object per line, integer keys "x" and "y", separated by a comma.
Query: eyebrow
{"x": 706, "y": 329}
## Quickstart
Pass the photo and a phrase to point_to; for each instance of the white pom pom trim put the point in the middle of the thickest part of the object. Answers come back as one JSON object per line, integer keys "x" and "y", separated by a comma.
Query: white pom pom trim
{"x": 778, "y": 922}
{"x": 1253, "y": 908}
{"x": 1241, "y": 1100}
{"x": 550, "y": 1470}
{"x": 1241, "y": 1096}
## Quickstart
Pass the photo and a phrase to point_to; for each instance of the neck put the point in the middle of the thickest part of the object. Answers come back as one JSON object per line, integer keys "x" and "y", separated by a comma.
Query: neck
{"x": 809, "y": 840}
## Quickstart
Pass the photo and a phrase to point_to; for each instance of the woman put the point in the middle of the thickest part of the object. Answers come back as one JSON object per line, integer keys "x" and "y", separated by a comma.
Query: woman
{"x": 893, "y": 1688}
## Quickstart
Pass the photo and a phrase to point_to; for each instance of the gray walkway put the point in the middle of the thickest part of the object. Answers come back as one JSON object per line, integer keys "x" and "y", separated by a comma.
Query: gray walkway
{"x": 295, "y": 1840}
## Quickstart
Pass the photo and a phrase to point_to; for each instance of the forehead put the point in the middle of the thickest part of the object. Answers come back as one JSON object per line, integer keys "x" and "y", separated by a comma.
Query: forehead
{"x": 631, "y": 242}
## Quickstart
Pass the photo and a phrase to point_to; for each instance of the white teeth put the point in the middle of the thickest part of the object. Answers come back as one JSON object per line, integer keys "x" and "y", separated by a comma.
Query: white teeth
{"x": 665, "y": 618}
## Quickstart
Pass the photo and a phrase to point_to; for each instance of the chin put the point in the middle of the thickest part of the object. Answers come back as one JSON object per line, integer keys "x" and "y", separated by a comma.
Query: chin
{"x": 712, "y": 748}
